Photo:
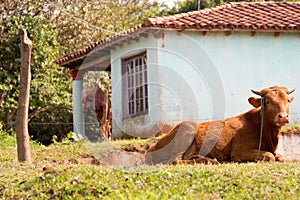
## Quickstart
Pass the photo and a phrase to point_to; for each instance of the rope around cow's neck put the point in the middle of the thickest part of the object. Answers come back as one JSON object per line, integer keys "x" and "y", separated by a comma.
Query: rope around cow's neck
{"x": 262, "y": 103}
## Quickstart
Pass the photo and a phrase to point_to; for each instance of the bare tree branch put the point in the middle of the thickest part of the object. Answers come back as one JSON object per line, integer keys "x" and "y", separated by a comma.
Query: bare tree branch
{"x": 41, "y": 110}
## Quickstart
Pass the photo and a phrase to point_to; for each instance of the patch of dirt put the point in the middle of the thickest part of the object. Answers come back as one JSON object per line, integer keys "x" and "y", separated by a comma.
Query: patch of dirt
{"x": 127, "y": 155}
{"x": 141, "y": 148}
{"x": 88, "y": 161}
{"x": 121, "y": 158}
{"x": 80, "y": 160}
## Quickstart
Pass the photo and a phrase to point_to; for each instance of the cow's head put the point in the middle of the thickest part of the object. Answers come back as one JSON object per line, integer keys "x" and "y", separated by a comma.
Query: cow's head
{"x": 276, "y": 104}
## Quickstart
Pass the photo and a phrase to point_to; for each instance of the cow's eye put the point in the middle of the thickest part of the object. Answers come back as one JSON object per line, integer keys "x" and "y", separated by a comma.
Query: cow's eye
{"x": 267, "y": 102}
{"x": 289, "y": 100}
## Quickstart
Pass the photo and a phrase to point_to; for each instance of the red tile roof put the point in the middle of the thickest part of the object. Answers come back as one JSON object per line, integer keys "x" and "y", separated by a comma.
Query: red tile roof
{"x": 242, "y": 16}
{"x": 249, "y": 16}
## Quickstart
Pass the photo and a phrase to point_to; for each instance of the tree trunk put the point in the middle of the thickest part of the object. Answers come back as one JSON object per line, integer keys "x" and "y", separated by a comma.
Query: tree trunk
{"x": 105, "y": 122}
{"x": 23, "y": 146}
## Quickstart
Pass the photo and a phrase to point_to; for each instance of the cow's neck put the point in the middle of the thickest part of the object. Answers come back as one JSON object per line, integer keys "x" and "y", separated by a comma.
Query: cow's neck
{"x": 271, "y": 133}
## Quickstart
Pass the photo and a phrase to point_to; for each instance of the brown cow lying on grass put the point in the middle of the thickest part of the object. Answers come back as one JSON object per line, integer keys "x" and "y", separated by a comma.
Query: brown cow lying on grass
{"x": 233, "y": 139}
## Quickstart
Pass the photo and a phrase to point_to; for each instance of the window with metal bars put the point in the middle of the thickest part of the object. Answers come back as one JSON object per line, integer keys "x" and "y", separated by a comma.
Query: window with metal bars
{"x": 135, "y": 88}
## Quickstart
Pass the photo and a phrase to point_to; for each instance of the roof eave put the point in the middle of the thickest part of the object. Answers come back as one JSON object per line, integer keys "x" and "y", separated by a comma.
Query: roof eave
{"x": 228, "y": 29}
{"x": 104, "y": 46}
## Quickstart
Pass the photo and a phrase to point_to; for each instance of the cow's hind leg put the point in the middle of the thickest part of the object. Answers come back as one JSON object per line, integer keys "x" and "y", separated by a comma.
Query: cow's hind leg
{"x": 173, "y": 145}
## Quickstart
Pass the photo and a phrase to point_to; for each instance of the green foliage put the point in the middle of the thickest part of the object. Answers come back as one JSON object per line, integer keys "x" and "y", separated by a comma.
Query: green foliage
{"x": 46, "y": 88}
{"x": 292, "y": 128}
{"x": 190, "y": 5}
{"x": 82, "y": 23}
{"x": 56, "y": 27}
{"x": 54, "y": 123}
{"x": 100, "y": 78}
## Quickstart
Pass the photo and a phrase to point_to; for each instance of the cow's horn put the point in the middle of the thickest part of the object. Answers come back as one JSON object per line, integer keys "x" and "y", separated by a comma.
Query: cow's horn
{"x": 256, "y": 92}
{"x": 291, "y": 90}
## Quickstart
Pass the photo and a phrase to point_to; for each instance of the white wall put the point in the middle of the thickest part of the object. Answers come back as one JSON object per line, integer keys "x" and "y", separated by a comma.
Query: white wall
{"x": 289, "y": 146}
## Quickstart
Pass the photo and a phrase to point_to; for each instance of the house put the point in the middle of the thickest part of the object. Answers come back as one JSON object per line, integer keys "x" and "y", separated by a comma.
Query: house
{"x": 196, "y": 66}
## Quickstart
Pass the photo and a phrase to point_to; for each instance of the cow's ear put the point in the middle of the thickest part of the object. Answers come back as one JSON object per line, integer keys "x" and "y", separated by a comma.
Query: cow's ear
{"x": 254, "y": 101}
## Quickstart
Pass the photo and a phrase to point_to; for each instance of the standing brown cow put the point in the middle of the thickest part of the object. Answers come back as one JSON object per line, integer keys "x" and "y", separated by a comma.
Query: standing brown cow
{"x": 238, "y": 138}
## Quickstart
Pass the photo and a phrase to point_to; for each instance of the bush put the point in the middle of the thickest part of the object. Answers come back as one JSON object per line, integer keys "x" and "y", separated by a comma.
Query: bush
{"x": 54, "y": 123}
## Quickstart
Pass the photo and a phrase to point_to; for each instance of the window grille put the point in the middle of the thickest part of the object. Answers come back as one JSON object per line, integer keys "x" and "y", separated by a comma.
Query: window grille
{"x": 135, "y": 88}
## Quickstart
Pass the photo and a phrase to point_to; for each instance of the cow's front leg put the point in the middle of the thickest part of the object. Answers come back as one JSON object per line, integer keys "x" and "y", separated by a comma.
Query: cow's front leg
{"x": 252, "y": 155}
{"x": 279, "y": 158}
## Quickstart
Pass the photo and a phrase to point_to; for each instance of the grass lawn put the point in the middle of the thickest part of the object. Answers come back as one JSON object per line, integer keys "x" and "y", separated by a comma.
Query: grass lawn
{"x": 70, "y": 179}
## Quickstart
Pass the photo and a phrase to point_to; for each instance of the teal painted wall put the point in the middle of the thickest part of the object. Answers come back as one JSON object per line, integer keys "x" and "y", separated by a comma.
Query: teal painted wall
{"x": 218, "y": 71}
{"x": 204, "y": 77}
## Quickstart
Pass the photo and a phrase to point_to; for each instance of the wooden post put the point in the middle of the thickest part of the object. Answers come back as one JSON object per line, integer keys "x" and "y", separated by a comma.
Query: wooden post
{"x": 23, "y": 146}
{"x": 105, "y": 125}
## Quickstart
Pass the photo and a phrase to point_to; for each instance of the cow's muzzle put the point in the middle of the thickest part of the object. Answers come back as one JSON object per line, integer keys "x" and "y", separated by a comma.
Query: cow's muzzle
{"x": 282, "y": 118}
